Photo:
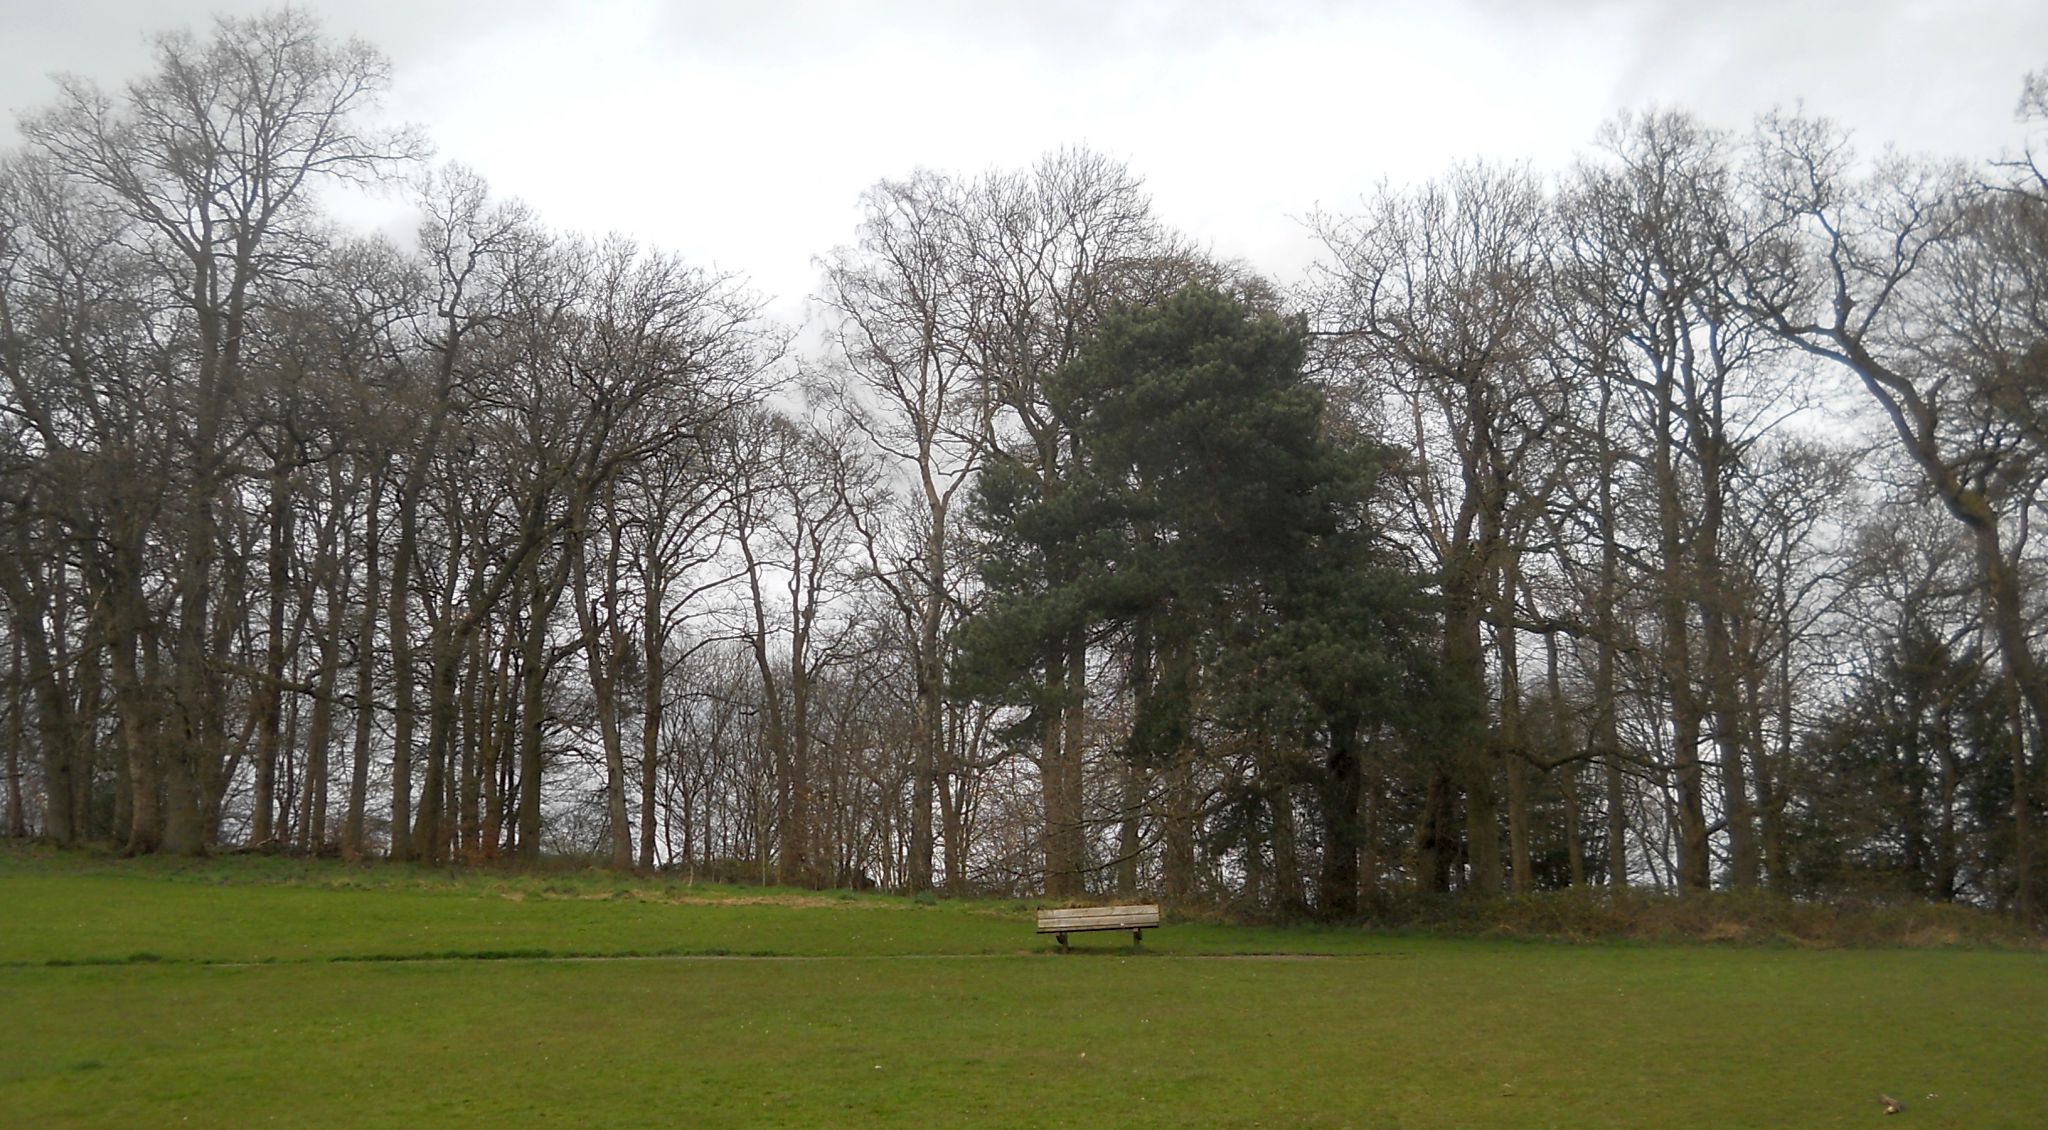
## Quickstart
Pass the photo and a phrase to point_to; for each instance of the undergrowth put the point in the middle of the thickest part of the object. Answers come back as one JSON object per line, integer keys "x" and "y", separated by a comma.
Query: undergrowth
{"x": 1722, "y": 917}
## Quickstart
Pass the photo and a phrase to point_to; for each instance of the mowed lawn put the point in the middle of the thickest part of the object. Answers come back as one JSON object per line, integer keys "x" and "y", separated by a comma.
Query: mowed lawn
{"x": 253, "y": 993}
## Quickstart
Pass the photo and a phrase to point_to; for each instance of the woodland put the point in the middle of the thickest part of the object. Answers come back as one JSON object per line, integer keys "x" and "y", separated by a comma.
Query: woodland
{"x": 1665, "y": 523}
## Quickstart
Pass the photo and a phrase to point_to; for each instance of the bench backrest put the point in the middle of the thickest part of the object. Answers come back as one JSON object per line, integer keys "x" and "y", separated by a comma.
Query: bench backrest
{"x": 1098, "y": 918}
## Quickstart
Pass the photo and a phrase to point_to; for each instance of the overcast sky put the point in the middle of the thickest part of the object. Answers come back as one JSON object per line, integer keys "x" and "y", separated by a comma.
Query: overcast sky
{"x": 741, "y": 132}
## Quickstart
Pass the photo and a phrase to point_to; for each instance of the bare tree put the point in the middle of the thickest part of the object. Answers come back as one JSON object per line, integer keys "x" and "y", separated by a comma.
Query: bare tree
{"x": 213, "y": 157}
{"x": 1439, "y": 297}
{"x": 1648, "y": 233}
{"x": 1899, "y": 273}
{"x": 789, "y": 513}
{"x": 909, "y": 391}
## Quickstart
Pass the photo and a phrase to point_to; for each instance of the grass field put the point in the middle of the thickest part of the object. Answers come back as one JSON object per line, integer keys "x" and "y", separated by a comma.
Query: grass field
{"x": 255, "y": 992}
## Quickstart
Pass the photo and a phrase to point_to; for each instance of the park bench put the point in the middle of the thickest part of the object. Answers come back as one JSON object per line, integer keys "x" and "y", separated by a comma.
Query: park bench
{"x": 1081, "y": 919}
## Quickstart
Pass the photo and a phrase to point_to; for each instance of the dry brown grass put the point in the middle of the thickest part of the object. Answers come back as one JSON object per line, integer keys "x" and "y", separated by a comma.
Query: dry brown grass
{"x": 1720, "y": 917}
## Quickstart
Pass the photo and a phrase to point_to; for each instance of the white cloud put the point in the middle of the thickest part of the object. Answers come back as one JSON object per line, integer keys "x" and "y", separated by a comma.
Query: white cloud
{"x": 743, "y": 132}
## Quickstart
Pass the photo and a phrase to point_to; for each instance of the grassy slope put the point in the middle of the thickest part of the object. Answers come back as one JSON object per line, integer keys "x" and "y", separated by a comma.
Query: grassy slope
{"x": 985, "y": 1029}
{"x": 111, "y": 916}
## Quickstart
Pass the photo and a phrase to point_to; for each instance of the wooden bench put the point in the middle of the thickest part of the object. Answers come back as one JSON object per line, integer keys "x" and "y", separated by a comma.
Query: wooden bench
{"x": 1081, "y": 919}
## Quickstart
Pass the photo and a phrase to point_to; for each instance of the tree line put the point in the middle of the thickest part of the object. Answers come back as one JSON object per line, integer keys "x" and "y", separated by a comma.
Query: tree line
{"x": 1665, "y": 522}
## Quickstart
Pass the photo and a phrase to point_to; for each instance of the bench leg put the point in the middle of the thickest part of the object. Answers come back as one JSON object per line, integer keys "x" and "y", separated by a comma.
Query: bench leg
{"x": 1137, "y": 939}
{"x": 1062, "y": 940}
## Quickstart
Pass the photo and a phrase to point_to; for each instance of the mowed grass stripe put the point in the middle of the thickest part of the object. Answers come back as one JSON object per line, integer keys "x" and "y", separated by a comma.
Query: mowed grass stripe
{"x": 1456, "y": 1034}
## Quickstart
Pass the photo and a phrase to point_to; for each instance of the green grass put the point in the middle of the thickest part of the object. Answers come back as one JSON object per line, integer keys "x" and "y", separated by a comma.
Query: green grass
{"x": 954, "y": 1014}
{"x": 72, "y": 910}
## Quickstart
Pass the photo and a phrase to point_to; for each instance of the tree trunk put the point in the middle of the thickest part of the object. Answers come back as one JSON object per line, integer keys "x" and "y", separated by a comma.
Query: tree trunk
{"x": 366, "y": 666}
{"x": 85, "y": 747}
{"x": 35, "y": 614}
{"x": 931, "y": 703}
{"x": 1676, "y": 655}
{"x": 1730, "y": 729}
{"x": 270, "y": 692}
{"x": 450, "y": 631}
{"x": 320, "y": 730}
{"x": 1770, "y": 763}
{"x": 444, "y": 668}
{"x": 2022, "y": 872}
{"x": 1561, "y": 745}
{"x": 1287, "y": 875}
{"x": 184, "y": 829}
{"x": 1127, "y": 840}
{"x": 654, "y": 698}
{"x": 135, "y": 714}
{"x": 1343, "y": 785}
{"x": 198, "y": 736}
{"x": 1482, "y": 837}
{"x": 1369, "y": 866}
{"x": 807, "y": 833}
{"x": 533, "y": 677}
{"x": 1178, "y": 861}
{"x": 1513, "y": 751}
{"x": 17, "y": 734}
{"x": 614, "y": 739}
{"x": 1474, "y": 760}
{"x": 1059, "y": 868}
{"x": 954, "y": 820}
{"x": 1435, "y": 848}
{"x": 1074, "y": 761}
{"x": 60, "y": 802}
{"x": 2023, "y": 675}
{"x": 399, "y": 630}
{"x": 1606, "y": 727}
{"x": 475, "y": 746}
{"x": 500, "y": 721}
{"x": 600, "y": 653}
